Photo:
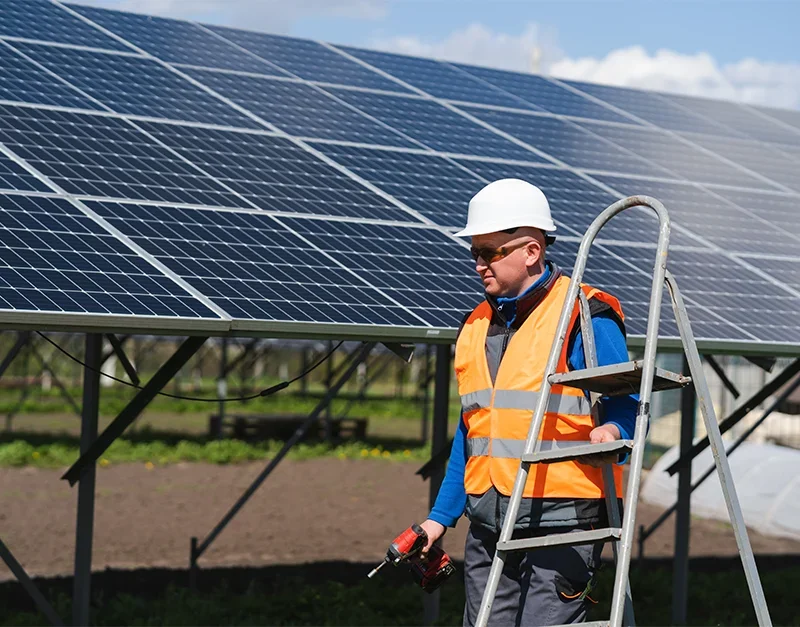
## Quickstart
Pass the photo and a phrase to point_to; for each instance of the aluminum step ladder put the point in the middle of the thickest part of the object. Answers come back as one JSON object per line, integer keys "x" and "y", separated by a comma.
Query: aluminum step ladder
{"x": 625, "y": 378}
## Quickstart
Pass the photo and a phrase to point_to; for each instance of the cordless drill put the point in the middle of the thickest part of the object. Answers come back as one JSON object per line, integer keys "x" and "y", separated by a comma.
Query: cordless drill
{"x": 429, "y": 573}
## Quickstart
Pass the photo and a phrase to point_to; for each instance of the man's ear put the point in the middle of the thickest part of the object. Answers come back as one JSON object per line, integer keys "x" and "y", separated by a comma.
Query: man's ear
{"x": 535, "y": 252}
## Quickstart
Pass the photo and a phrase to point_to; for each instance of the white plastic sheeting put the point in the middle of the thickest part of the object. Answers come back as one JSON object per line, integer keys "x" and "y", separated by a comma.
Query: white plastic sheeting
{"x": 767, "y": 480}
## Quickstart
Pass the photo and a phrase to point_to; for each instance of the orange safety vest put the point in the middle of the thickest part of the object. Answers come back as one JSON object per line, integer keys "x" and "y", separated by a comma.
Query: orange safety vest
{"x": 498, "y": 416}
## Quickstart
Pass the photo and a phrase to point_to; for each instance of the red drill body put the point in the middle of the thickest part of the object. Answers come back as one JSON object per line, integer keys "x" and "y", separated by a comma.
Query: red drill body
{"x": 430, "y": 572}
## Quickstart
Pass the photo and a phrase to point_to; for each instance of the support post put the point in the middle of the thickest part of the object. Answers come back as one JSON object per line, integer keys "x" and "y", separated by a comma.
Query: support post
{"x": 22, "y": 339}
{"x": 84, "y": 528}
{"x": 426, "y": 394}
{"x": 441, "y": 403}
{"x": 680, "y": 569}
{"x": 197, "y": 550}
{"x": 222, "y": 384}
{"x": 134, "y": 408}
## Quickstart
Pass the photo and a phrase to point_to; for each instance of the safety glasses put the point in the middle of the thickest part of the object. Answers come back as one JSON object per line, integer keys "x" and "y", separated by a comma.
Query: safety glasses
{"x": 490, "y": 255}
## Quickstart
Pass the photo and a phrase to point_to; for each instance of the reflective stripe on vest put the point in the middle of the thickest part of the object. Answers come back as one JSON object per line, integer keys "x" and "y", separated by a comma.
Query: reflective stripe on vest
{"x": 512, "y": 449}
{"x": 523, "y": 399}
{"x": 498, "y": 414}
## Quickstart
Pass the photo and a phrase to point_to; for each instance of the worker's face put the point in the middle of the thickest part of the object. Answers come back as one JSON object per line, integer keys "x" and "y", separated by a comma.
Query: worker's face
{"x": 505, "y": 261}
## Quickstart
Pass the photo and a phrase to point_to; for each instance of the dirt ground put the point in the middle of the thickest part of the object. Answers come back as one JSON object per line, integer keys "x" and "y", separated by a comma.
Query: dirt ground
{"x": 307, "y": 511}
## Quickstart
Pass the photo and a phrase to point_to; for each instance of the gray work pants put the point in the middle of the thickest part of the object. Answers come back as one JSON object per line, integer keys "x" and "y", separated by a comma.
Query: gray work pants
{"x": 540, "y": 587}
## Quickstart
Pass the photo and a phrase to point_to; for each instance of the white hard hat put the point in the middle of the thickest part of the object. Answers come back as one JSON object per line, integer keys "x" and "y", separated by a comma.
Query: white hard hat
{"x": 507, "y": 204}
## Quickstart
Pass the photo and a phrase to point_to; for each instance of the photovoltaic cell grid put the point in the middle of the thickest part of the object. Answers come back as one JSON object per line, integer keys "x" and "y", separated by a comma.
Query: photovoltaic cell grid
{"x": 23, "y": 81}
{"x": 545, "y": 95}
{"x": 43, "y": 20}
{"x": 135, "y": 85}
{"x": 96, "y": 155}
{"x": 654, "y": 108}
{"x": 275, "y": 174}
{"x": 755, "y": 156}
{"x": 422, "y": 269}
{"x": 740, "y": 118}
{"x": 680, "y": 158}
{"x": 175, "y": 41}
{"x": 252, "y": 266}
{"x": 436, "y": 127}
{"x": 432, "y": 185}
{"x": 716, "y": 220}
{"x": 308, "y": 59}
{"x": 53, "y": 258}
{"x": 779, "y": 210}
{"x": 437, "y": 79}
{"x": 14, "y": 177}
{"x": 299, "y": 109}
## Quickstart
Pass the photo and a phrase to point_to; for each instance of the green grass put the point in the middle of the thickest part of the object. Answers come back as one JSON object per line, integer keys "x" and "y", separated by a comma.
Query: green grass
{"x": 159, "y": 448}
{"x": 715, "y": 598}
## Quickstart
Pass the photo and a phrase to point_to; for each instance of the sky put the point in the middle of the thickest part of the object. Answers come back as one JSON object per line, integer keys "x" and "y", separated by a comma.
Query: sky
{"x": 734, "y": 49}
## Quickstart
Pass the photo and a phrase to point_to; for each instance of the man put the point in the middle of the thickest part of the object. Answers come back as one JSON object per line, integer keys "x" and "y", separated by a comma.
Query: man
{"x": 501, "y": 352}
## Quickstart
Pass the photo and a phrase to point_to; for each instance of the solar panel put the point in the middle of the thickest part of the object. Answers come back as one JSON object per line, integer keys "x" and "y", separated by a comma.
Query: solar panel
{"x": 96, "y": 155}
{"x": 14, "y": 177}
{"x": 43, "y": 20}
{"x": 308, "y": 59}
{"x": 422, "y": 269}
{"x": 545, "y": 95}
{"x": 438, "y": 79}
{"x": 755, "y": 156}
{"x": 176, "y": 41}
{"x": 786, "y": 116}
{"x": 679, "y": 157}
{"x": 779, "y": 210}
{"x": 653, "y": 108}
{"x": 274, "y": 173}
{"x": 299, "y": 109}
{"x": 567, "y": 142}
{"x": 135, "y": 85}
{"x": 253, "y": 267}
{"x": 53, "y": 258}
{"x": 276, "y": 230}
{"x": 432, "y": 185}
{"x": 436, "y": 126}
{"x": 23, "y": 81}
{"x": 711, "y": 218}
{"x": 738, "y": 117}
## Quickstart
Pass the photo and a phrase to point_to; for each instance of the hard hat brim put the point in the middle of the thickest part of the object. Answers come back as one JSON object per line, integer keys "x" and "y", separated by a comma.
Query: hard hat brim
{"x": 497, "y": 227}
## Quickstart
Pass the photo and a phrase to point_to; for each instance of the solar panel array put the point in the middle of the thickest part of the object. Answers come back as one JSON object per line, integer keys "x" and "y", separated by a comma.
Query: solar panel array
{"x": 164, "y": 174}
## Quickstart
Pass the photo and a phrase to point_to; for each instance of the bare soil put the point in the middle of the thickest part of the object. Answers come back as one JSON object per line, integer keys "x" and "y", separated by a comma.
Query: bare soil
{"x": 323, "y": 510}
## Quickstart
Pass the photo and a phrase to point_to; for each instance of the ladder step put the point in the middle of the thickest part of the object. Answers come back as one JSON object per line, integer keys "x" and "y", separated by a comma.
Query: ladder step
{"x": 618, "y": 379}
{"x": 567, "y": 453}
{"x": 562, "y": 539}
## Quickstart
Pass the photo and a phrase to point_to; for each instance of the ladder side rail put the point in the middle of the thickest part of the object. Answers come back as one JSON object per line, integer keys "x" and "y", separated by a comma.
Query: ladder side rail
{"x": 719, "y": 453}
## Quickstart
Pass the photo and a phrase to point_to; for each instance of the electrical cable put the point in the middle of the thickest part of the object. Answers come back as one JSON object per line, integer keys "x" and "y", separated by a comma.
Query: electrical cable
{"x": 267, "y": 392}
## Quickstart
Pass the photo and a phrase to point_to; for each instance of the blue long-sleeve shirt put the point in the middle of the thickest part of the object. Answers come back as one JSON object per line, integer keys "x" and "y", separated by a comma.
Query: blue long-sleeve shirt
{"x": 611, "y": 348}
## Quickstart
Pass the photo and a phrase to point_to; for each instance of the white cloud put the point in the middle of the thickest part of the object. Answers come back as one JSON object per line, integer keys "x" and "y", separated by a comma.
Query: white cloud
{"x": 749, "y": 80}
{"x": 479, "y": 45}
{"x": 266, "y": 15}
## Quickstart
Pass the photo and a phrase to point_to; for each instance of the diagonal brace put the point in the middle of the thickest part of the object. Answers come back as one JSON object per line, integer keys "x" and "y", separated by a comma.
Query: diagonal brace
{"x": 189, "y": 347}
{"x": 62, "y": 388}
{"x": 119, "y": 351}
{"x": 356, "y": 358}
{"x": 723, "y": 377}
{"x": 27, "y": 583}
{"x": 22, "y": 339}
{"x": 745, "y": 408}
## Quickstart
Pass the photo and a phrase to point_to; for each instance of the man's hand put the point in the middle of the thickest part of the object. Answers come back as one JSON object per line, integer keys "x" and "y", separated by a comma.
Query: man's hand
{"x": 598, "y": 435}
{"x": 435, "y": 531}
